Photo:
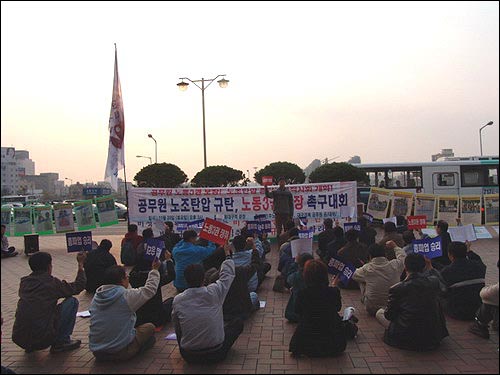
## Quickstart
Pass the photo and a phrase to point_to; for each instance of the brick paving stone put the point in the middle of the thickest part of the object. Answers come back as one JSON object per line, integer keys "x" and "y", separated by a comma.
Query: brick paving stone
{"x": 263, "y": 345}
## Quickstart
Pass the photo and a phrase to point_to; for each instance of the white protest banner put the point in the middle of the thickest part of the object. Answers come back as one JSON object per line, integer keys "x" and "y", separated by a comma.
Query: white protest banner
{"x": 84, "y": 213}
{"x": 462, "y": 233}
{"x": 425, "y": 204}
{"x": 482, "y": 233}
{"x": 63, "y": 214}
{"x": 391, "y": 220}
{"x": 106, "y": 211}
{"x": 378, "y": 203}
{"x": 448, "y": 209}
{"x": 22, "y": 221}
{"x": 470, "y": 209}
{"x": 303, "y": 244}
{"x": 43, "y": 220}
{"x": 490, "y": 209}
{"x": 313, "y": 202}
{"x": 402, "y": 202}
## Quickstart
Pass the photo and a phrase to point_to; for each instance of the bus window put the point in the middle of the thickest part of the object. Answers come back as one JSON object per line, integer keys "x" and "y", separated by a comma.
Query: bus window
{"x": 480, "y": 175}
{"x": 493, "y": 176}
{"x": 445, "y": 179}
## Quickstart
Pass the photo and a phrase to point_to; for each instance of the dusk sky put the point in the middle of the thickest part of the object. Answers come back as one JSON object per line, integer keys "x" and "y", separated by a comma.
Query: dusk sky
{"x": 388, "y": 81}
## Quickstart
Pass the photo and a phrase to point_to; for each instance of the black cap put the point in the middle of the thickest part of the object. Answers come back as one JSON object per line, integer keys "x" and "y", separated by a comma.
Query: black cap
{"x": 281, "y": 179}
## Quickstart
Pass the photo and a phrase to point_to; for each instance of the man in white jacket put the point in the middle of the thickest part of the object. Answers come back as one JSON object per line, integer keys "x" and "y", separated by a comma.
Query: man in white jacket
{"x": 198, "y": 318}
{"x": 112, "y": 335}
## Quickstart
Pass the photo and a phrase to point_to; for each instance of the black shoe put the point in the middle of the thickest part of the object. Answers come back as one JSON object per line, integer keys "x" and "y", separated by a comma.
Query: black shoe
{"x": 354, "y": 318}
{"x": 479, "y": 330}
{"x": 70, "y": 345}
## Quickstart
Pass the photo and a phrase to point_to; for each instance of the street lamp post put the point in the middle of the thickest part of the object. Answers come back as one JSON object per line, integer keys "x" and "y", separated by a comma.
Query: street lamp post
{"x": 70, "y": 180}
{"x": 183, "y": 87}
{"x": 147, "y": 157}
{"x": 481, "y": 139}
{"x": 156, "y": 148}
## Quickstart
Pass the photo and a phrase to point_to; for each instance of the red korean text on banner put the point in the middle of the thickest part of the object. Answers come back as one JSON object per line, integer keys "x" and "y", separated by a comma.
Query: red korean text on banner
{"x": 417, "y": 222}
{"x": 215, "y": 231}
{"x": 267, "y": 180}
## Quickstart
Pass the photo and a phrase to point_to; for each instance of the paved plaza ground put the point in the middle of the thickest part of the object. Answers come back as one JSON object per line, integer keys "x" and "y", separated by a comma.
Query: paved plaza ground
{"x": 262, "y": 347}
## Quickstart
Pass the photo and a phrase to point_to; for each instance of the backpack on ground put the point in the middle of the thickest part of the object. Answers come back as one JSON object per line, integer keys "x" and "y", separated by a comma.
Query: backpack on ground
{"x": 128, "y": 254}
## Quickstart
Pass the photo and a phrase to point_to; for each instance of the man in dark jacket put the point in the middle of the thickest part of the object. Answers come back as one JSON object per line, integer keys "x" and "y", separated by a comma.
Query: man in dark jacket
{"x": 367, "y": 234}
{"x": 413, "y": 318}
{"x": 391, "y": 234}
{"x": 442, "y": 231}
{"x": 170, "y": 237}
{"x": 283, "y": 204}
{"x": 464, "y": 278}
{"x": 40, "y": 321}
{"x": 334, "y": 246}
{"x": 325, "y": 237}
{"x": 97, "y": 262}
{"x": 355, "y": 253}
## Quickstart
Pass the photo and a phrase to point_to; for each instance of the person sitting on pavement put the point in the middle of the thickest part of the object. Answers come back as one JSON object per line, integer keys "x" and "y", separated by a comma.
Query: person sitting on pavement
{"x": 487, "y": 312}
{"x": 413, "y": 318}
{"x": 367, "y": 234}
{"x": 198, "y": 315}
{"x": 239, "y": 302}
{"x": 155, "y": 310}
{"x": 391, "y": 234}
{"x": 321, "y": 331}
{"x": 243, "y": 257}
{"x": 464, "y": 279}
{"x": 112, "y": 336}
{"x": 296, "y": 282}
{"x": 283, "y": 237}
{"x": 97, "y": 262}
{"x": 325, "y": 237}
{"x": 170, "y": 237}
{"x": 253, "y": 242}
{"x": 355, "y": 253}
{"x": 377, "y": 276}
{"x": 41, "y": 322}
{"x": 334, "y": 246}
{"x": 131, "y": 240}
{"x": 7, "y": 251}
{"x": 442, "y": 231}
{"x": 186, "y": 252}
{"x": 286, "y": 259}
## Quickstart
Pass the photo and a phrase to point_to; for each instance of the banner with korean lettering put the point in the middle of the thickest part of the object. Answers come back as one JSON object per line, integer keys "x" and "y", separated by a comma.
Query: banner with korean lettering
{"x": 429, "y": 247}
{"x": 352, "y": 225}
{"x": 79, "y": 241}
{"x": 106, "y": 211}
{"x": 417, "y": 222}
{"x": 448, "y": 209}
{"x": 7, "y": 219}
{"x": 378, "y": 203}
{"x": 236, "y": 205}
{"x": 43, "y": 220}
{"x": 346, "y": 270}
{"x": 22, "y": 221}
{"x": 402, "y": 203}
{"x": 491, "y": 209}
{"x": 215, "y": 231}
{"x": 425, "y": 204}
{"x": 84, "y": 212}
{"x": 153, "y": 248}
{"x": 470, "y": 209}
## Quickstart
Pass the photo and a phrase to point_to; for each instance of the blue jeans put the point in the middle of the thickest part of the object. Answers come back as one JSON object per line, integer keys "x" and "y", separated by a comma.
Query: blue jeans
{"x": 67, "y": 318}
{"x": 255, "y": 300}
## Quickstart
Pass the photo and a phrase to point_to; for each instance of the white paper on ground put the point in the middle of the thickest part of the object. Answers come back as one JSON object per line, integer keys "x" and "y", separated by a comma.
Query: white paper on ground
{"x": 482, "y": 232}
{"x": 171, "y": 336}
{"x": 262, "y": 304}
{"x": 83, "y": 314}
{"x": 301, "y": 245}
{"x": 462, "y": 233}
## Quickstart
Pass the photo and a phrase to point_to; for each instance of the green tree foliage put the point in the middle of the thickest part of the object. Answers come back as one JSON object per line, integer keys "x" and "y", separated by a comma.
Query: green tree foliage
{"x": 338, "y": 172}
{"x": 292, "y": 172}
{"x": 164, "y": 175}
{"x": 217, "y": 176}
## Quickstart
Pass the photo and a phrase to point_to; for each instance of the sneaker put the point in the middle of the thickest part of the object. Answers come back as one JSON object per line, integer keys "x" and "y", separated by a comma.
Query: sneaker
{"x": 479, "y": 330}
{"x": 70, "y": 345}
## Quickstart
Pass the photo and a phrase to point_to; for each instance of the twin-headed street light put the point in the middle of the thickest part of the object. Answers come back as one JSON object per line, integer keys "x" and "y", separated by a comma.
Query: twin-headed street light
{"x": 156, "y": 148}
{"x": 183, "y": 86}
{"x": 147, "y": 157}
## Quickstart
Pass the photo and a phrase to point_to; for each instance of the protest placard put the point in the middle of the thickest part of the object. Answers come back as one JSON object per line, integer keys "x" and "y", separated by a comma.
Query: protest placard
{"x": 6, "y": 219}
{"x": 348, "y": 211}
{"x": 79, "y": 241}
{"x": 196, "y": 225}
{"x": 402, "y": 202}
{"x": 106, "y": 211}
{"x": 448, "y": 208}
{"x": 22, "y": 221}
{"x": 470, "y": 209}
{"x": 154, "y": 248}
{"x": 429, "y": 247}
{"x": 462, "y": 233}
{"x": 482, "y": 232}
{"x": 84, "y": 213}
{"x": 43, "y": 220}
{"x": 303, "y": 244}
{"x": 417, "y": 222}
{"x": 390, "y": 219}
{"x": 353, "y": 225}
{"x": 430, "y": 231}
{"x": 267, "y": 180}
{"x": 368, "y": 217}
{"x": 491, "y": 209}
{"x": 346, "y": 270}
{"x": 63, "y": 214}
{"x": 425, "y": 204}
{"x": 378, "y": 203}
{"x": 215, "y": 231}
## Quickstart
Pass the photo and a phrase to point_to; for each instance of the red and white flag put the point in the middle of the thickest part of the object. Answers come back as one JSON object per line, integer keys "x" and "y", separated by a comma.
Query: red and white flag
{"x": 116, "y": 154}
